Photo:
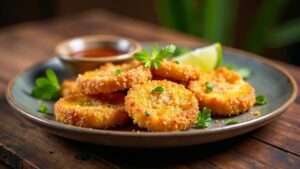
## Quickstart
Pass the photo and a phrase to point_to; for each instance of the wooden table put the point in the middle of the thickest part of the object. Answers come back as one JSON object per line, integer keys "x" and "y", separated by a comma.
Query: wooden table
{"x": 24, "y": 145}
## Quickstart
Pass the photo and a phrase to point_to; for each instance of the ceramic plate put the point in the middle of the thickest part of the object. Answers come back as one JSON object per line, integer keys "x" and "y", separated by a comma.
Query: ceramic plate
{"x": 267, "y": 78}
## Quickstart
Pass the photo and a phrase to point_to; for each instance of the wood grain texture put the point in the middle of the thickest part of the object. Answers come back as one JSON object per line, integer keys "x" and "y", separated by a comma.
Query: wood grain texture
{"x": 24, "y": 145}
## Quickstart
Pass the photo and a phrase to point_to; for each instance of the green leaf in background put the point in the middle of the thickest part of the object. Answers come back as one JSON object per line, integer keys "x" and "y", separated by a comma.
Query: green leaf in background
{"x": 181, "y": 15}
{"x": 286, "y": 34}
{"x": 266, "y": 17}
{"x": 218, "y": 21}
{"x": 166, "y": 13}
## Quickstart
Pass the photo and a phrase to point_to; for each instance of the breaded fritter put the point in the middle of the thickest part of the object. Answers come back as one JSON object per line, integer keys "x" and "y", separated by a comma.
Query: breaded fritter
{"x": 229, "y": 96}
{"x": 174, "y": 109}
{"x": 111, "y": 78}
{"x": 177, "y": 72}
{"x": 101, "y": 111}
{"x": 68, "y": 87}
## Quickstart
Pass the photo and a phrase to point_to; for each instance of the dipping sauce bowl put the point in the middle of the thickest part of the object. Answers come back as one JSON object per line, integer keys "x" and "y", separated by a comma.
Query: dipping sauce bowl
{"x": 84, "y": 53}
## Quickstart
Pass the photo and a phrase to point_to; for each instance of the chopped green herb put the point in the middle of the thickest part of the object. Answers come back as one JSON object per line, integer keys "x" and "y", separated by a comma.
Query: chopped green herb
{"x": 244, "y": 72}
{"x": 231, "y": 121}
{"x": 176, "y": 62}
{"x": 147, "y": 113}
{"x": 261, "y": 100}
{"x": 204, "y": 118}
{"x": 43, "y": 108}
{"x": 46, "y": 88}
{"x": 158, "y": 89}
{"x": 230, "y": 67}
{"x": 118, "y": 71}
{"x": 209, "y": 87}
{"x": 157, "y": 56}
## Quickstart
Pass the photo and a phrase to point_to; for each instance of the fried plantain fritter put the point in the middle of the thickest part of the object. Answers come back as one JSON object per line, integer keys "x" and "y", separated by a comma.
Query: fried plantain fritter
{"x": 68, "y": 87}
{"x": 111, "y": 78}
{"x": 224, "y": 92}
{"x": 174, "y": 109}
{"x": 100, "y": 111}
{"x": 177, "y": 72}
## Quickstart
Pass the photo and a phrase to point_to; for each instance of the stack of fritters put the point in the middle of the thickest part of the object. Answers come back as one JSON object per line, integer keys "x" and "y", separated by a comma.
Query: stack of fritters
{"x": 98, "y": 99}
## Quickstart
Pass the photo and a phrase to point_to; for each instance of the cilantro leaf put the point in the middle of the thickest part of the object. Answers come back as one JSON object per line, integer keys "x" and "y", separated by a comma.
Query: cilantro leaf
{"x": 231, "y": 121}
{"x": 46, "y": 88}
{"x": 158, "y": 89}
{"x": 45, "y": 92}
{"x": 157, "y": 57}
{"x": 42, "y": 81}
{"x": 43, "y": 109}
{"x": 147, "y": 113}
{"x": 155, "y": 49}
{"x": 204, "y": 118}
{"x": 209, "y": 87}
{"x": 118, "y": 71}
{"x": 52, "y": 77}
{"x": 165, "y": 52}
{"x": 261, "y": 100}
{"x": 244, "y": 72}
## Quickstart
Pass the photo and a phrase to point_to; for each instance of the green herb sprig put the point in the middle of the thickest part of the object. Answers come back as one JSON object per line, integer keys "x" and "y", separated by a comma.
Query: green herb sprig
{"x": 147, "y": 113}
{"x": 209, "y": 87}
{"x": 158, "y": 89}
{"x": 231, "y": 121}
{"x": 204, "y": 118}
{"x": 46, "y": 88}
{"x": 261, "y": 100}
{"x": 243, "y": 71}
{"x": 118, "y": 71}
{"x": 157, "y": 57}
{"x": 43, "y": 108}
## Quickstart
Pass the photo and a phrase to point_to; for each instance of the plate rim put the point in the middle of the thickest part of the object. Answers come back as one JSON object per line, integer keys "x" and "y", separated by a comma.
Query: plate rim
{"x": 260, "y": 120}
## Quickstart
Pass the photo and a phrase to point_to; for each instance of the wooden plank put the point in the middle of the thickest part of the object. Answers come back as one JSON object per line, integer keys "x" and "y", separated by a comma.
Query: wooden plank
{"x": 283, "y": 132}
{"x": 28, "y": 145}
{"x": 238, "y": 152}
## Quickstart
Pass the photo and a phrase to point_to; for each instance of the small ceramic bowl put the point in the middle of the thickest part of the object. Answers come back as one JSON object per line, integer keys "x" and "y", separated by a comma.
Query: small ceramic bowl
{"x": 126, "y": 46}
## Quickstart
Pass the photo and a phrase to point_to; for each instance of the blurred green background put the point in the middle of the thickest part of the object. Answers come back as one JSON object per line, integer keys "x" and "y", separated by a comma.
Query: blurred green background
{"x": 267, "y": 27}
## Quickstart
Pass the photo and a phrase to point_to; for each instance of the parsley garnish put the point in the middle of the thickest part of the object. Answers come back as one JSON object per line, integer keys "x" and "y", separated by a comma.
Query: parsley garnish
{"x": 43, "y": 108}
{"x": 46, "y": 88}
{"x": 147, "y": 113}
{"x": 158, "y": 89}
{"x": 157, "y": 56}
{"x": 261, "y": 100}
{"x": 231, "y": 121}
{"x": 118, "y": 71}
{"x": 176, "y": 62}
{"x": 203, "y": 119}
{"x": 243, "y": 71}
{"x": 209, "y": 87}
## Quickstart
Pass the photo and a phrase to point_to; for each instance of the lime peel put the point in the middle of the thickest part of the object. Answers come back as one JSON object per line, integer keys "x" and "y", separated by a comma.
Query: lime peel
{"x": 206, "y": 58}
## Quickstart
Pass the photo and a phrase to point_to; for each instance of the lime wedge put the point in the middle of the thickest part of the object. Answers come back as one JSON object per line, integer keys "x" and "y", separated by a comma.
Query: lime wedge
{"x": 207, "y": 58}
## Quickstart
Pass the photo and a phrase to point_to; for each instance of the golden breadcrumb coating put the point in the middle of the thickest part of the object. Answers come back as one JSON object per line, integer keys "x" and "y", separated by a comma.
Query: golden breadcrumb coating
{"x": 68, "y": 87}
{"x": 107, "y": 80}
{"x": 177, "y": 72}
{"x": 101, "y": 111}
{"x": 230, "y": 95}
{"x": 174, "y": 109}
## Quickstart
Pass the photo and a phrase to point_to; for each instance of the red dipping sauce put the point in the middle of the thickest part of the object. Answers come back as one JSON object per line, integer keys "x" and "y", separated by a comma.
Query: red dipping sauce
{"x": 95, "y": 53}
